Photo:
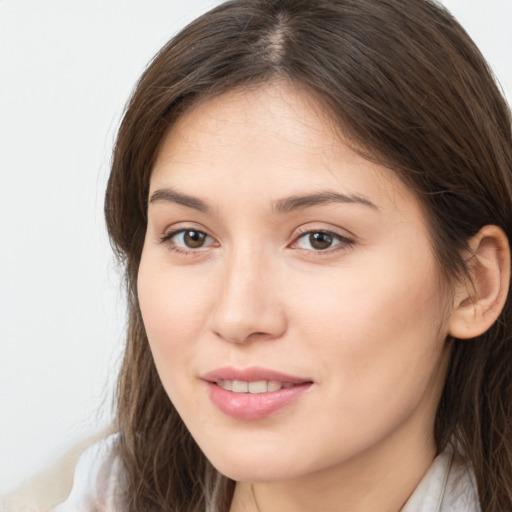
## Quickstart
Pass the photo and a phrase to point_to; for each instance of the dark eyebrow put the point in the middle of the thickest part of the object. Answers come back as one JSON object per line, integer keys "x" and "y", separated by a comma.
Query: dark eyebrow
{"x": 170, "y": 195}
{"x": 292, "y": 203}
{"x": 285, "y": 205}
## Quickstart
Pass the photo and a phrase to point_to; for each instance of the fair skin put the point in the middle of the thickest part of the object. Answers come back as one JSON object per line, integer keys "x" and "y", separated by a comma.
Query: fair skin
{"x": 300, "y": 257}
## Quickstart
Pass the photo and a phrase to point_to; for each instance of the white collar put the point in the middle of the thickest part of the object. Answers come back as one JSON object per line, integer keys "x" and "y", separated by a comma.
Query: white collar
{"x": 448, "y": 486}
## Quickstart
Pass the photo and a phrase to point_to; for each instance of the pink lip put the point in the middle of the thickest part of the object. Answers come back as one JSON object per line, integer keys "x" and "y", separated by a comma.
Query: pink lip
{"x": 253, "y": 373}
{"x": 247, "y": 406}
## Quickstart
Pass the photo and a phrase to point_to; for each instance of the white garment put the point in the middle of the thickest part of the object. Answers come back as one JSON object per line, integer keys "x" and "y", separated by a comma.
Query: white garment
{"x": 448, "y": 485}
{"x": 96, "y": 481}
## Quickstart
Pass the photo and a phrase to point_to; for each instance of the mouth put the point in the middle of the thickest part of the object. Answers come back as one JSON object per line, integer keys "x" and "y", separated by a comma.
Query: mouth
{"x": 253, "y": 393}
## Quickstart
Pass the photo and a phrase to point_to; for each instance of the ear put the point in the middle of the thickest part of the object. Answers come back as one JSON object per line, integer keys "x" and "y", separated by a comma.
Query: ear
{"x": 479, "y": 298}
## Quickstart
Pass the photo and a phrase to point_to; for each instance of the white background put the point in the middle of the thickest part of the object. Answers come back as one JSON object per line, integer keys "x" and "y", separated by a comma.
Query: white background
{"x": 66, "y": 71}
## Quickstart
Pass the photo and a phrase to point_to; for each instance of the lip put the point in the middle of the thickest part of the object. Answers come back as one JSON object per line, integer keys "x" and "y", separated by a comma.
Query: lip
{"x": 247, "y": 406}
{"x": 253, "y": 373}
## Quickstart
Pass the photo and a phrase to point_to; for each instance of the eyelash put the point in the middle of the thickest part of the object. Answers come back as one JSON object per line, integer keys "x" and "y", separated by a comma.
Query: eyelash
{"x": 344, "y": 242}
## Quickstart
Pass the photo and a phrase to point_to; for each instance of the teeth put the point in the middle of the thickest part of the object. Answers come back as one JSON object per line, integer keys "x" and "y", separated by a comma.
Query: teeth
{"x": 259, "y": 386}
{"x": 227, "y": 384}
{"x": 274, "y": 385}
{"x": 255, "y": 387}
{"x": 240, "y": 386}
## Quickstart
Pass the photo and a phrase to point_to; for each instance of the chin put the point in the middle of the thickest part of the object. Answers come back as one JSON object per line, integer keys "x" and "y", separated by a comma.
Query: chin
{"x": 256, "y": 466}
{"x": 246, "y": 473}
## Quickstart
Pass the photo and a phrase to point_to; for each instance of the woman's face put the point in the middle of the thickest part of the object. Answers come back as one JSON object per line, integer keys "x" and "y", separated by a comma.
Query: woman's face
{"x": 289, "y": 292}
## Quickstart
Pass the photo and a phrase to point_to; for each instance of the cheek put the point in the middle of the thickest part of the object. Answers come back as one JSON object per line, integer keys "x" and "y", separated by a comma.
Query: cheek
{"x": 174, "y": 306}
{"x": 369, "y": 302}
{"x": 379, "y": 332}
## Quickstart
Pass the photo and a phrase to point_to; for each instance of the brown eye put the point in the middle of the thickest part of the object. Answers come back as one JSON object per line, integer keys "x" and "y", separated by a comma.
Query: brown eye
{"x": 194, "y": 239}
{"x": 320, "y": 241}
{"x": 187, "y": 240}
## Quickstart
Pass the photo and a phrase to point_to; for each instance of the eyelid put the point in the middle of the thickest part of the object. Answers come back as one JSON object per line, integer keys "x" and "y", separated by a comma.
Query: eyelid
{"x": 178, "y": 227}
{"x": 323, "y": 227}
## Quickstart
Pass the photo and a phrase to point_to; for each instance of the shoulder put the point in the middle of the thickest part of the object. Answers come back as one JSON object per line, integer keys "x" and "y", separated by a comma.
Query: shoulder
{"x": 448, "y": 486}
{"x": 97, "y": 480}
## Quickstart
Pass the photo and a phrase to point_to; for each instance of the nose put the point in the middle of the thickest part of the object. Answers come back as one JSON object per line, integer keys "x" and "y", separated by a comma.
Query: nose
{"x": 248, "y": 307}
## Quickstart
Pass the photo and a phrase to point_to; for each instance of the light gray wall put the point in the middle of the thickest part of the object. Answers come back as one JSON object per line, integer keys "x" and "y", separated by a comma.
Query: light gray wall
{"x": 66, "y": 70}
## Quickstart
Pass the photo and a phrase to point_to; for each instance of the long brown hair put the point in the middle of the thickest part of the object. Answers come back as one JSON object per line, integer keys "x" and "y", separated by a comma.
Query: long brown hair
{"x": 411, "y": 91}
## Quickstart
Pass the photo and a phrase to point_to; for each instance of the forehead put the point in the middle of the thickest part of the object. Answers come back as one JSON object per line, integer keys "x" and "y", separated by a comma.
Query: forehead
{"x": 268, "y": 142}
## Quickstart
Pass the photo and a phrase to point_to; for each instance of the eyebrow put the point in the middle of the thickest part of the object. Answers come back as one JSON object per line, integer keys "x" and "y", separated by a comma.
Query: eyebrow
{"x": 301, "y": 202}
{"x": 170, "y": 195}
{"x": 285, "y": 205}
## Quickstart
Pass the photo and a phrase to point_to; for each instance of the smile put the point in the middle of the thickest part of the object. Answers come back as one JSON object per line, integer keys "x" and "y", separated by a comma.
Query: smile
{"x": 253, "y": 393}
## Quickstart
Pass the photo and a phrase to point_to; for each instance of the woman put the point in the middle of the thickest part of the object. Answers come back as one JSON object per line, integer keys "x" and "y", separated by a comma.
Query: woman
{"x": 313, "y": 203}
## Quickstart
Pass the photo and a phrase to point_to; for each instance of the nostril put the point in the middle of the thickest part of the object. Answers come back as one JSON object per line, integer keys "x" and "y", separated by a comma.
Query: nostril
{"x": 241, "y": 336}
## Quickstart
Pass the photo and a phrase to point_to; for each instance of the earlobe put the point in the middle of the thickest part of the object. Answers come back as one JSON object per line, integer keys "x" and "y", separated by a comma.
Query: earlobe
{"x": 479, "y": 299}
